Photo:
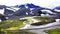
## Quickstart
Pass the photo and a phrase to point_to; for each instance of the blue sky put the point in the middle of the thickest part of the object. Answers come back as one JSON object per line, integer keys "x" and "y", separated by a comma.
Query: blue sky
{"x": 43, "y": 3}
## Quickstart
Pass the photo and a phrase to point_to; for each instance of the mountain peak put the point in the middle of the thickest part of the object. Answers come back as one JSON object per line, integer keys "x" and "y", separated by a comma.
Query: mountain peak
{"x": 32, "y": 6}
{"x": 28, "y": 6}
{"x": 2, "y": 6}
{"x": 58, "y": 8}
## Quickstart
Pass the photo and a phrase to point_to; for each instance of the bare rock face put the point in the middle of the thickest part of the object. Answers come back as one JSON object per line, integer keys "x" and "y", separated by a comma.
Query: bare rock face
{"x": 2, "y": 17}
{"x": 8, "y": 12}
{"x": 22, "y": 12}
{"x": 58, "y": 15}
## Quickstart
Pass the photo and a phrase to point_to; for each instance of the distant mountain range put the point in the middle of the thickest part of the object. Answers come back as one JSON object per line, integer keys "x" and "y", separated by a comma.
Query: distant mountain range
{"x": 2, "y": 6}
{"x": 26, "y": 6}
{"x": 58, "y": 8}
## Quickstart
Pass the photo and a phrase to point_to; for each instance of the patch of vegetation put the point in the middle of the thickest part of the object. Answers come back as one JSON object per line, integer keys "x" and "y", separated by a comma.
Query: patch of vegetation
{"x": 16, "y": 32}
{"x": 11, "y": 24}
{"x": 42, "y": 19}
{"x": 26, "y": 16}
{"x": 53, "y": 31}
{"x": 45, "y": 19}
{"x": 29, "y": 21}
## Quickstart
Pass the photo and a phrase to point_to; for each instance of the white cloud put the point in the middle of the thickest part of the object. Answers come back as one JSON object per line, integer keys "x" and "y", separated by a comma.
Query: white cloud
{"x": 43, "y": 3}
{"x": 47, "y": 3}
{"x": 12, "y": 2}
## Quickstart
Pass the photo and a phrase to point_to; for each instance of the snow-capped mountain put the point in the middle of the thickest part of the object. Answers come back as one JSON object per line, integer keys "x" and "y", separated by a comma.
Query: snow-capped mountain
{"x": 57, "y": 9}
{"x": 2, "y": 6}
{"x": 27, "y": 9}
{"x": 28, "y": 6}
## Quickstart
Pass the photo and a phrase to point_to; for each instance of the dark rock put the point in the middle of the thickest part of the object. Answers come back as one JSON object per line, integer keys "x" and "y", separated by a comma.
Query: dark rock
{"x": 58, "y": 8}
{"x": 2, "y": 17}
{"x": 22, "y": 12}
{"x": 2, "y": 6}
{"x": 38, "y": 23}
{"x": 7, "y": 12}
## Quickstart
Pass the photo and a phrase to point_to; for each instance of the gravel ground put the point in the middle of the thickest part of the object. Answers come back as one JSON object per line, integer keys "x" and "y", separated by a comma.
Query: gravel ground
{"x": 38, "y": 31}
{"x": 41, "y": 31}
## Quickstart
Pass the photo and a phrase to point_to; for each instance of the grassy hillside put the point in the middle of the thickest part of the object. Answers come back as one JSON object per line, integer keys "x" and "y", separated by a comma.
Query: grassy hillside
{"x": 53, "y": 31}
{"x": 11, "y": 24}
